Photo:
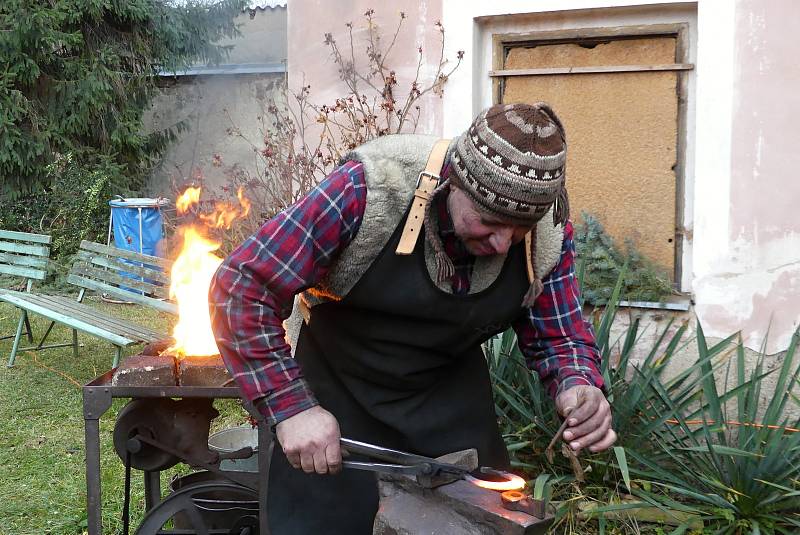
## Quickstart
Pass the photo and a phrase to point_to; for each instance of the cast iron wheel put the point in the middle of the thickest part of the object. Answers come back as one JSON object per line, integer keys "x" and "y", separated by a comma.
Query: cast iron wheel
{"x": 184, "y": 501}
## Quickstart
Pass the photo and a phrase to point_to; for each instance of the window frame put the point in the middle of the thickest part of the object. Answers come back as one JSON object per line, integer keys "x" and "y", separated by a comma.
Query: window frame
{"x": 503, "y": 42}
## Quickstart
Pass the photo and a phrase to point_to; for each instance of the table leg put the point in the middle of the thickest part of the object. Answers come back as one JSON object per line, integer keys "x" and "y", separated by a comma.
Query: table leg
{"x": 93, "y": 495}
{"x": 152, "y": 489}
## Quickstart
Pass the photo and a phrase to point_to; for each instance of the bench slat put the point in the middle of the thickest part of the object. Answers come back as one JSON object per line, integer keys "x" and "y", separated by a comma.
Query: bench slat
{"x": 111, "y": 277}
{"x": 84, "y": 312}
{"x": 164, "y": 306}
{"x": 22, "y": 271}
{"x": 94, "y": 330}
{"x": 37, "y": 250}
{"x": 128, "y": 255}
{"x": 111, "y": 263}
{"x": 26, "y": 236}
{"x": 20, "y": 260}
{"x": 70, "y": 307}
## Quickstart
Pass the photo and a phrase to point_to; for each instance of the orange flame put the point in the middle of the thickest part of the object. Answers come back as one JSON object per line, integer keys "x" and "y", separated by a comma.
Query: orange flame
{"x": 188, "y": 198}
{"x": 191, "y": 276}
{"x": 514, "y": 482}
{"x": 192, "y": 272}
{"x": 225, "y": 213}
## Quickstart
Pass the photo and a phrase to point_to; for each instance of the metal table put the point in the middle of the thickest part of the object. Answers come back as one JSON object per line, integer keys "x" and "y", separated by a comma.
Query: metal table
{"x": 97, "y": 397}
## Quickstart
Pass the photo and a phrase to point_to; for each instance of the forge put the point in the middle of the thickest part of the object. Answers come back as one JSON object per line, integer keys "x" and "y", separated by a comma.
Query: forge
{"x": 156, "y": 365}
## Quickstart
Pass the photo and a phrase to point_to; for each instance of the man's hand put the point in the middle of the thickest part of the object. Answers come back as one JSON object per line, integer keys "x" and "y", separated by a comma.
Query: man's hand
{"x": 310, "y": 440}
{"x": 589, "y": 418}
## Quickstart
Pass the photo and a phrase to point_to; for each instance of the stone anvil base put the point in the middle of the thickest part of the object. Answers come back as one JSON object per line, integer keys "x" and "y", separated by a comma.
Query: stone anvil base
{"x": 459, "y": 508}
{"x": 152, "y": 367}
{"x": 411, "y": 507}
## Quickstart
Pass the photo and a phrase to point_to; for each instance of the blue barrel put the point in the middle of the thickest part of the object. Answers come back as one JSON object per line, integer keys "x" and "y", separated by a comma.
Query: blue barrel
{"x": 137, "y": 224}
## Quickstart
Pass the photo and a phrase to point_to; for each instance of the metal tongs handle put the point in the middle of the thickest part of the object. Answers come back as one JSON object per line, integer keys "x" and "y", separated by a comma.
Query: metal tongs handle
{"x": 410, "y": 470}
{"x": 401, "y": 462}
{"x": 381, "y": 453}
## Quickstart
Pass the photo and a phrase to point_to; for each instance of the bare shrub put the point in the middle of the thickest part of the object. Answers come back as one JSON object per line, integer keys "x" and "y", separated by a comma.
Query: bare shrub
{"x": 303, "y": 140}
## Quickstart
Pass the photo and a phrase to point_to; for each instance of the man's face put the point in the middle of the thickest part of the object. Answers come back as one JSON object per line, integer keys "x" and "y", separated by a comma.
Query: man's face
{"x": 482, "y": 234}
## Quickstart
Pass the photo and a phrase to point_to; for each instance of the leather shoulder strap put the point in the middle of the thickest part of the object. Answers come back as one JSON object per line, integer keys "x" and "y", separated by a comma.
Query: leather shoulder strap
{"x": 428, "y": 180}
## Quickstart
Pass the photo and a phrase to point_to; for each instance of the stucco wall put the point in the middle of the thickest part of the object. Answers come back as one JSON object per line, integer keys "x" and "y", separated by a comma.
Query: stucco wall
{"x": 310, "y": 60}
{"x": 222, "y": 116}
{"x": 753, "y": 283}
{"x": 741, "y": 253}
{"x": 221, "y": 112}
{"x": 263, "y": 39}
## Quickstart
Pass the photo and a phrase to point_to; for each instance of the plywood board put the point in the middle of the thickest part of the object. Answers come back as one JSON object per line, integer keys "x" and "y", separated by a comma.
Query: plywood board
{"x": 622, "y": 135}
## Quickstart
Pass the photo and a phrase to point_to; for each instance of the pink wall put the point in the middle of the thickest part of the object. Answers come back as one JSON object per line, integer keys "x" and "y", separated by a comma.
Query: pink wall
{"x": 764, "y": 230}
{"x": 765, "y": 154}
{"x": 310, "y": 60}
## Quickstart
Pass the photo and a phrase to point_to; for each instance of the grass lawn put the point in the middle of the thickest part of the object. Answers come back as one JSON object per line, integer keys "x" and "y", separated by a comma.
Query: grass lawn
{"x": 42, "y": 477}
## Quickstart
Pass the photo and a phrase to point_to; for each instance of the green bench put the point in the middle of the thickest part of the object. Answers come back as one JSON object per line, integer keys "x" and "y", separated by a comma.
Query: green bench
{"x": 24, "y": 256}
{"x": 116, "y": 273}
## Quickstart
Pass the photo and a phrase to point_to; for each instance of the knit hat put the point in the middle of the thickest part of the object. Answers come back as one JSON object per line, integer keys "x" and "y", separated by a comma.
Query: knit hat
{"x": 511, "y": 163}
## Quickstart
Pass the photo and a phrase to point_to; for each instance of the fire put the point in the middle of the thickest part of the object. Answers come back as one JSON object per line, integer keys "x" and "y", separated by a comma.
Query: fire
{"x": 512, "y": 482}
{"x": 192, "y": 272}
{"x": 191, "y": 276}
{"x": 226, "y": 213}
{"x": 189, "y": 198}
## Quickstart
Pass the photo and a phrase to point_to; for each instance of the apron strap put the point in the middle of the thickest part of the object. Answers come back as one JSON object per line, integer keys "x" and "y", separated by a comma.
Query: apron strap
{"x": 427, "y": 182}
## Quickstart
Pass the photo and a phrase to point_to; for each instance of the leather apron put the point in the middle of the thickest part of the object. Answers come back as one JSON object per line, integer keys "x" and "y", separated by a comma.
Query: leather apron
{"x": 399, "y": 362}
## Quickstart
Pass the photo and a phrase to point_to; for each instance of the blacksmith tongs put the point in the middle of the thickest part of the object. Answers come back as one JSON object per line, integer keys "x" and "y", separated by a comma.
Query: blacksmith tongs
{"x": 398, "y": 462}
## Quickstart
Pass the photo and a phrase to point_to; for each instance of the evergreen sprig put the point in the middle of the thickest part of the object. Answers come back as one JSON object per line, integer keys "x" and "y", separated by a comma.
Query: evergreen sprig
{"x": 603, "y": 261}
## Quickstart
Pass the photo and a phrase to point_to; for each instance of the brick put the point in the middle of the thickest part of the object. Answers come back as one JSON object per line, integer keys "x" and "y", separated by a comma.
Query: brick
{"x": 202, "y": 371}
{"x": 146, "y": 370}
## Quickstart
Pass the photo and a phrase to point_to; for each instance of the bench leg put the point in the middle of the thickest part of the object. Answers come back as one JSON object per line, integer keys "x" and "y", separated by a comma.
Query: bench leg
{"x": 28, "y": 329}
{"x": 75, "y": 343}
{"x": 17, "y": 336}
{"x": 46, "y": 334}
{"x": 117, "y": 357}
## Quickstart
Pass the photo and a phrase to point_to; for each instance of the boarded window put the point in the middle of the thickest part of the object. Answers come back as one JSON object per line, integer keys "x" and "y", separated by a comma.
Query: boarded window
{"x": 621, "y": 130}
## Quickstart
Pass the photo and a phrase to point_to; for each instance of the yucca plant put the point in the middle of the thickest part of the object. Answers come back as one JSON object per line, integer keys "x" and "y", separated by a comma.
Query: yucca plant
{"x": 528, "y": 419}
{"x": 527, "y": 413}
{"x": 734, "y": 461}
{"x": 698, "y": 454}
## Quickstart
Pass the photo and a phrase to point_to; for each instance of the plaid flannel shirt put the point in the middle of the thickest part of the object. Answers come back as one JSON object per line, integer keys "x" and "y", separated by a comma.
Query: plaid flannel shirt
{"x": 254, "y": 288}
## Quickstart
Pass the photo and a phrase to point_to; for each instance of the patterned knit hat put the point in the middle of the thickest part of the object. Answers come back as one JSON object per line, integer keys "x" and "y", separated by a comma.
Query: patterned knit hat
{"x": 511, "y": 163}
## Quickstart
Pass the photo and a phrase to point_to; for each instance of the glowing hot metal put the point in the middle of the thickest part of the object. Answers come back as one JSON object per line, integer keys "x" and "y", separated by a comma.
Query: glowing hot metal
{"x": 505, "y": 480}
{"x": 513, "y": 500}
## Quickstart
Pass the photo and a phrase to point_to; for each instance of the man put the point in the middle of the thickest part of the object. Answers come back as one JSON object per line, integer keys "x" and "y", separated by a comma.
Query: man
{"x": 387, "y": 334}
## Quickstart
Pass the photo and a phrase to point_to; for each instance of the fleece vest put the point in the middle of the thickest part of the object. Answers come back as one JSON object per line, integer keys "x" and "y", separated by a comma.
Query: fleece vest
{"x": 391, "y": 167}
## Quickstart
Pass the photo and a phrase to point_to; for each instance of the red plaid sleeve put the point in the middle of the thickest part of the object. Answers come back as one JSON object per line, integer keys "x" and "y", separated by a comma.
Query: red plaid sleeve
{"x": 254, "y": 288}
{"x": 553, "y": 335}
